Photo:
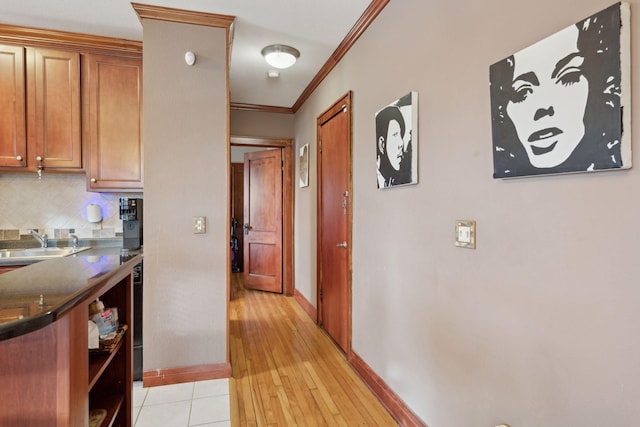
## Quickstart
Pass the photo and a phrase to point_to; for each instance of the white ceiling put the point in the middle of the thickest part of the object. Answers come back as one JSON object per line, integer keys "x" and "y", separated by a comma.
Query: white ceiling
{"x": 314, "y": 27}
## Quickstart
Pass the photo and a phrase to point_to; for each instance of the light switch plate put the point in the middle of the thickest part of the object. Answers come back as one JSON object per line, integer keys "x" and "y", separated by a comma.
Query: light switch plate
{"x": 466, "y": 234}
{"x": 199, "y": 224}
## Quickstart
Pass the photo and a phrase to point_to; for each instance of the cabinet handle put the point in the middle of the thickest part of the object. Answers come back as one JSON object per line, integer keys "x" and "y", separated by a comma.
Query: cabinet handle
{"x": 94, "y": 180}
{"x": 39, "y": 171}
{"x": 19, "y": 158}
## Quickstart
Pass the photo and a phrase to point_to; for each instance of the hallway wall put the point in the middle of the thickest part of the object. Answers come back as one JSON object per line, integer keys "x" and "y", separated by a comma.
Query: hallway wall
{"x": 538, "y": 326}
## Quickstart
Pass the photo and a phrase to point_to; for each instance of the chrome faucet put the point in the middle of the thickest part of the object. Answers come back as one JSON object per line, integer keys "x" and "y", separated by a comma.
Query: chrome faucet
{"x": 42, "y": 238}
{"x": 74, "y": 241}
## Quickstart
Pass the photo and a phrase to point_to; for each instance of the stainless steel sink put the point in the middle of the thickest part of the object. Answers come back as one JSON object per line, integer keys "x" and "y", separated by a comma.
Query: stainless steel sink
{"x": 40, "y": 253}
{"x": 10, "y": 253}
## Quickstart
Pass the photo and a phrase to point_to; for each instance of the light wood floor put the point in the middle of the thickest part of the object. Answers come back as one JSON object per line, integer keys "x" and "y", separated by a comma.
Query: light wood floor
{"x": 287, "y": 372}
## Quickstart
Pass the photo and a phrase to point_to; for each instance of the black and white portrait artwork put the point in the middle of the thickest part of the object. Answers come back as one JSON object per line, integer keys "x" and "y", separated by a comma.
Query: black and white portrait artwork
{"x": 397, "y": 142}
{"x": 562, "y": 104}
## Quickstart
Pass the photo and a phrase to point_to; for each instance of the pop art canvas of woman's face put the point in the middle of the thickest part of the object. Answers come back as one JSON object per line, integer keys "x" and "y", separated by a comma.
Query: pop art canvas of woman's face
{"x": 562, "y": 104}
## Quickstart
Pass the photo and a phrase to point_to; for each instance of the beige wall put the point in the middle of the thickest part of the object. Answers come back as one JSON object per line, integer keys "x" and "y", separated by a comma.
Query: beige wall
{"x": 539, "y": 325}
{"x": 238, "y": 152}
{"x": 271, "y": 125}
{"x": 186, "y": 175}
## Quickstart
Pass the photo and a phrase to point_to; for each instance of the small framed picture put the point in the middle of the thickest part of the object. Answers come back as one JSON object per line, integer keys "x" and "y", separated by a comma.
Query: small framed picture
{"x": 304, "y": 166}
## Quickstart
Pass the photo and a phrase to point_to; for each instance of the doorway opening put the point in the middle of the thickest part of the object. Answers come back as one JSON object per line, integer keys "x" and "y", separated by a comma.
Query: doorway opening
{"x": 286, "y": 146}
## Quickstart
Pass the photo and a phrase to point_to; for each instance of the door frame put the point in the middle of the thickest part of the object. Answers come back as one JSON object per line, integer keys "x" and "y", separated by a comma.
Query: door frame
{"x": 340, "y": 104}
{"x": 288, "y": 171}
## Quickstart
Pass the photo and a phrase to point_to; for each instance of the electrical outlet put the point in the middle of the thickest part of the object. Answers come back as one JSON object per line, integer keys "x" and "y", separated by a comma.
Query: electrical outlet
{"x": 199, "y": 224}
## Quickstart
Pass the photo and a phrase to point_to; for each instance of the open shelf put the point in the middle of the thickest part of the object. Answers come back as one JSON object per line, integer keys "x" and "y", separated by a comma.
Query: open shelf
{"x": 98, "y": 362}
{"x": 110, "y": 367}
{"x": 112, "y": 405}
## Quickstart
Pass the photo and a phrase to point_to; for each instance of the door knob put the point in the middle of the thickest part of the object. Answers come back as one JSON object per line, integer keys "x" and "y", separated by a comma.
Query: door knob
{"x": 245, "y": 228}
{"x": 342, "y": 245}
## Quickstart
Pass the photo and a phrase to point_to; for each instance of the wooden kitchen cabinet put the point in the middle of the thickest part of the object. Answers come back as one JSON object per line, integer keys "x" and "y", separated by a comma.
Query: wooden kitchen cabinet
{"x": 113, "y": 122}
{"x": 42, "y": 127}
{"x": 8, "y": 268}
{"x": 10, "y": 314}
{"x": 13, "y": 122}
{"x": 49, "y": 377}
{"x": 53, "y": 109}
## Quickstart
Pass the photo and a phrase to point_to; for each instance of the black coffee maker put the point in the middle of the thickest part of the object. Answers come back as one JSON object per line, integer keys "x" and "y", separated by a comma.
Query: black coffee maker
{"x": 131, "y": 216}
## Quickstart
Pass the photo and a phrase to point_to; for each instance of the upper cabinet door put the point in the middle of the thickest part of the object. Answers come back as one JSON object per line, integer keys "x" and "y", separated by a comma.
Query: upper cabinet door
{"x": 53, "y": 109}
{"x": 113, "y": 106}
{"x": 13, "y": 138}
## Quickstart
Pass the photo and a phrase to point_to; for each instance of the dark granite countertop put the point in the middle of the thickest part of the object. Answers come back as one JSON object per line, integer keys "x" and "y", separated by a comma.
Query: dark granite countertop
{"x": 47, "y": 289}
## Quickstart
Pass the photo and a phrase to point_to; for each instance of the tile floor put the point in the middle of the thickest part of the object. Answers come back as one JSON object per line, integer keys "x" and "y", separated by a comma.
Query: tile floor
{"x": 200, "y": 403}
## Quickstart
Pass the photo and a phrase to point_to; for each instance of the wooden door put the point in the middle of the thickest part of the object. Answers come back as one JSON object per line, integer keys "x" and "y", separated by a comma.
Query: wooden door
{"x": 334, "y": 222}
{"x": 53, "y": 109}
{"x": 13, "y": 136}
{"x": 263, "y": 220}
{"x": 113, "y": 96}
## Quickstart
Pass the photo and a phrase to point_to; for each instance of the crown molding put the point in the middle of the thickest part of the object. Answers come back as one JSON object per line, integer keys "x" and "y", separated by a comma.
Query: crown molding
{"x": 67, "y": 40}
{"x": 368, "y": 16}
{"x": 182, "y": 16}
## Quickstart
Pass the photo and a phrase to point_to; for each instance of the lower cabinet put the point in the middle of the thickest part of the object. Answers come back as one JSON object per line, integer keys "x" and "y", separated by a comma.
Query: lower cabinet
{"x": 50, "y": 378}
{"x": 8, "y": 268}
{"x": 12, "y": 313}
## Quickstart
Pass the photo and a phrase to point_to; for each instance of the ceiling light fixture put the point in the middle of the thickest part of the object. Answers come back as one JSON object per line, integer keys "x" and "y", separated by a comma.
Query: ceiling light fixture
{"x": 280, "y": 56}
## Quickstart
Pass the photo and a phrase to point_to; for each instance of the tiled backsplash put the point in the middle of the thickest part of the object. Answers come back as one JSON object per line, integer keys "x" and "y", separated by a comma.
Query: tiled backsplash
{"x": 56, "y": 205}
